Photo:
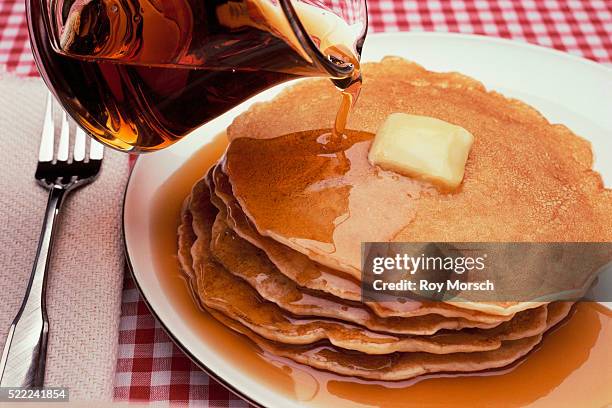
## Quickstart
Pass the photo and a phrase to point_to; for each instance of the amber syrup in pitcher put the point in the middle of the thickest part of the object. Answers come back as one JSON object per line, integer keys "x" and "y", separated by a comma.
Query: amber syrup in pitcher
{"x": 146, "y": 90}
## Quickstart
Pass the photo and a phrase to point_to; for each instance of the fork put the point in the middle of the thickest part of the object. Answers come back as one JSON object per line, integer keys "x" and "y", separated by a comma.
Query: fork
{"x": 25, "y": 350}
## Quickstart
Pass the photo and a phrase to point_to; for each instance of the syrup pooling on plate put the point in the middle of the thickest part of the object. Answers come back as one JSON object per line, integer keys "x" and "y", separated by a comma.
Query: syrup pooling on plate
{"x": 302, "y": 173}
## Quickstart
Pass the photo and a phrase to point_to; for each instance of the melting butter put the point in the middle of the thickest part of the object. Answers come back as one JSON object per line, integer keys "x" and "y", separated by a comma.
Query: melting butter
{"x": 422, "y": 147}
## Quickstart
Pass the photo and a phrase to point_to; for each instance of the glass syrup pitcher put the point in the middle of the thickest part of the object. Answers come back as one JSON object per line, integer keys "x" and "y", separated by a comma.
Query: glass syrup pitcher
{"x": 139, "y": 75}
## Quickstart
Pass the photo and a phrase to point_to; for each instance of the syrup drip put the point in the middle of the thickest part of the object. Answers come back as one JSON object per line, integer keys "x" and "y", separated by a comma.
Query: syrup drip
{"x": 349, "y": 98}
{"x": 349, "y": 90}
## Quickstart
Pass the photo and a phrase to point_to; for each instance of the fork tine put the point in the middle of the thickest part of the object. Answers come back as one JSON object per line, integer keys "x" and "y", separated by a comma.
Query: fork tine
{"x": 45, "y": 153}
{"x": 64, "y": 142}
{"x": 96, "y": 150}
{"x": 79, "y": 144}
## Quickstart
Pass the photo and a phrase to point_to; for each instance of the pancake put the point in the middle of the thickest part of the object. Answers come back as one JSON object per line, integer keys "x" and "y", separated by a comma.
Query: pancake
{"x": 526, "y": 180}
{"x": 186, "y": 238}
{"x": 251, "y": 264}
{"x": 401, "y": 366}
{"x": 245, "y": 261}
{"x": 220, "y": 290}
{"x": 241, "y": 259}
{"x": 419, "y": 319}
{"x": 293, "y": 264}
{"x": 309, "y": 274}
{"x": 390, "y": 367}
{"x": 244, "y": 306}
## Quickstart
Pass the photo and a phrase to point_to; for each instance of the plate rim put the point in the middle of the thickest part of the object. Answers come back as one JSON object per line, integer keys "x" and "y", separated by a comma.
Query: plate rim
{"x": 395, "y": 34}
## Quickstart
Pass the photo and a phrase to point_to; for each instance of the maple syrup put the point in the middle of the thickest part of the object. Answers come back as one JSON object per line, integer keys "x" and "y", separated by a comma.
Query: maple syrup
{"x": 141, "y": 74}
{"x": 572, "y": 366}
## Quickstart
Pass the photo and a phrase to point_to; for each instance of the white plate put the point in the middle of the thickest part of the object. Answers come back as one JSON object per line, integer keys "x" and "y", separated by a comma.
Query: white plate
{"x": 566, "y": 89}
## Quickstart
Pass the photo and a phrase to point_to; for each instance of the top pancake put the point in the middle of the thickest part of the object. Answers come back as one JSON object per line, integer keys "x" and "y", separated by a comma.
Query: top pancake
{"x": 525, "y": 179}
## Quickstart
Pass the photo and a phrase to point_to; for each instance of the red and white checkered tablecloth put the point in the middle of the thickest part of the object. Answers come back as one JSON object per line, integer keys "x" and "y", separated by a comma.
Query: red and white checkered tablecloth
{"x": 150, "y": 367}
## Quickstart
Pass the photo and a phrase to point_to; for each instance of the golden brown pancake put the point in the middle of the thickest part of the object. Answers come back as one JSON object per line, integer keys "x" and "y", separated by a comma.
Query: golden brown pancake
{"x": 525, "y": 180}
{"x": 389, "y": 367}
{"x": 383, "y": 309}
{"x": 399, "y": 366}
{"x": 309, "y": 274}
{"x": 220, "y": 290}
{"x": 242, "y": 305}
{"x": 295, "y": 265}
{"x": 245, "y": 261}
{"x": 251, "y": 264}
{"x": 186, "y": 238}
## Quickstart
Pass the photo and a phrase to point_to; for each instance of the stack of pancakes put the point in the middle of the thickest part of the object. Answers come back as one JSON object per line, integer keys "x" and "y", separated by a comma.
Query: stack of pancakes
{"x": 271, "y": 236}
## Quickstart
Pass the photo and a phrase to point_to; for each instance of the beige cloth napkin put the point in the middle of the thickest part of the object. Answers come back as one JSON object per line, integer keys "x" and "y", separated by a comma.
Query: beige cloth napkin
{"x": 85, "y": 279}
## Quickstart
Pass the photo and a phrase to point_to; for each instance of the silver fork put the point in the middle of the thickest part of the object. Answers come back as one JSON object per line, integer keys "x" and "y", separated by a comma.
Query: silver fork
{"x": 25, "y": 350}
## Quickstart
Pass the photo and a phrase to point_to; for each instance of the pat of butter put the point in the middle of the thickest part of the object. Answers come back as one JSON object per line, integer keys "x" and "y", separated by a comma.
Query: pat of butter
{"x": 422, "y": 147}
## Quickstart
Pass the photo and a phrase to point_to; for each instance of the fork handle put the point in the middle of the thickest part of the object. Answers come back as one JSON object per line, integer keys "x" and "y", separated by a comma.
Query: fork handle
{"x": 25, "y": 350}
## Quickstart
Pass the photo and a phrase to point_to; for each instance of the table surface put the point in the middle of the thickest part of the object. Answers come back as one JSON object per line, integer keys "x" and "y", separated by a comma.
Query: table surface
{"x": 149, "y": 366}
